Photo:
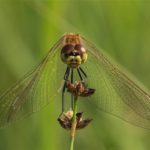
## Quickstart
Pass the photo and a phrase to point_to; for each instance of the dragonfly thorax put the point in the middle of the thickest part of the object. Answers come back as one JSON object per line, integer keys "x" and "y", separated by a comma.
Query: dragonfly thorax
{"x": 73, "y": 55}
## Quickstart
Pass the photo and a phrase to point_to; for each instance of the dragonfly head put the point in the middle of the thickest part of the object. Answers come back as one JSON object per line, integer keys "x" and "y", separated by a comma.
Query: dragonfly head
{"x": 73, "y": 55}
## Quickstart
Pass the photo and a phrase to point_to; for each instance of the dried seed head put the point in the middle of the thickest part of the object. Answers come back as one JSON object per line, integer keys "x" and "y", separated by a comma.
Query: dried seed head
{"x": 69, "y": 114}
{"x": 65, "y": 120}
{"x": 87, "y": 92}
{"x": 82, "y": 123}
{"x": 79, "y": 89}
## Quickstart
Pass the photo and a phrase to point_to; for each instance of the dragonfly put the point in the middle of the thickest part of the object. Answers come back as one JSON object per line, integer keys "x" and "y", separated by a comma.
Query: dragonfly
{"x": 73, "y": 56}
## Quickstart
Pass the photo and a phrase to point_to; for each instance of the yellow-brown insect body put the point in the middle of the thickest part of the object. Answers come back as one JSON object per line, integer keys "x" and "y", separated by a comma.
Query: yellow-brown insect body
{"x": 73, "y": 53}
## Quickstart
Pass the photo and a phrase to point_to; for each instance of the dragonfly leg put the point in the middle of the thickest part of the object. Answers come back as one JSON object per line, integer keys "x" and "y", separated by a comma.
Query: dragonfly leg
{"x": 79, "y": 73}
{"x": 80, "y": 70}
{"x": 64, "y": 87}
{"x": 72, "y": 97}
{"x": 83, "y": 72}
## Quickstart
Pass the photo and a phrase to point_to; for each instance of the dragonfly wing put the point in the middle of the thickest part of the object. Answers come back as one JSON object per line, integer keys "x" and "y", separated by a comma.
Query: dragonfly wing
{"x": 35, "y": 90}
{"x": 117, "y": 92}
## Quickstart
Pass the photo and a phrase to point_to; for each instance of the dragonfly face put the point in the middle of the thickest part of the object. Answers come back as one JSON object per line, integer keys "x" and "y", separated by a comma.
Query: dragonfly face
{"x": 73, "y": 53}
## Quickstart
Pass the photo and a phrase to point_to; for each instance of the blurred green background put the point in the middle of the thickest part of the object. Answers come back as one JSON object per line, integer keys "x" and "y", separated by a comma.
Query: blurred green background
{"x": 29, "y": 28}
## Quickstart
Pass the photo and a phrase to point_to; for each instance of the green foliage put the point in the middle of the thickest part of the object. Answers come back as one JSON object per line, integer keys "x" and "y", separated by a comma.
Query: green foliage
{"x": 28, "y": 30}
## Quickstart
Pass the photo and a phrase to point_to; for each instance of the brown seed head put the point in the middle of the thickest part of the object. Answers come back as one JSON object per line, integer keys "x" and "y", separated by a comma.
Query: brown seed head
{"x": 79, "y": 89}
{"x": 65, "y": 120}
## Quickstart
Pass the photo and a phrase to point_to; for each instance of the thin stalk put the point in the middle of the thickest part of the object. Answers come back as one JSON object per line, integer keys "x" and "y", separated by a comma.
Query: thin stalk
{"x": 74, "y": 123}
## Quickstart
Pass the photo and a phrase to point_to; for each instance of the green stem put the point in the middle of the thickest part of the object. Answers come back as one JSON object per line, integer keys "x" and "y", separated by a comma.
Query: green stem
{"x": 73, "y": 128}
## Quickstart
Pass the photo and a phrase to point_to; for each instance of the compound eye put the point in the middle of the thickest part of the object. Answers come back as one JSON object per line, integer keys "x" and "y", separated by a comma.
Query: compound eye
{"x": 79, "y": 48}
{"x": 66, "y": 51}
{"x": 67, "y": 48}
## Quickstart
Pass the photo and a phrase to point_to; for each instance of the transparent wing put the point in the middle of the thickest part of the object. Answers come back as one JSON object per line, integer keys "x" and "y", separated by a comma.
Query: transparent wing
{"x": 116, "y": 92}
{"x": 35, "y": 90}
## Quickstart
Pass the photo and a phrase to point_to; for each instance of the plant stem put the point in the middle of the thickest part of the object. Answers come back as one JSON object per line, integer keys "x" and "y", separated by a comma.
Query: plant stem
{"x": 73, "y": 128}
